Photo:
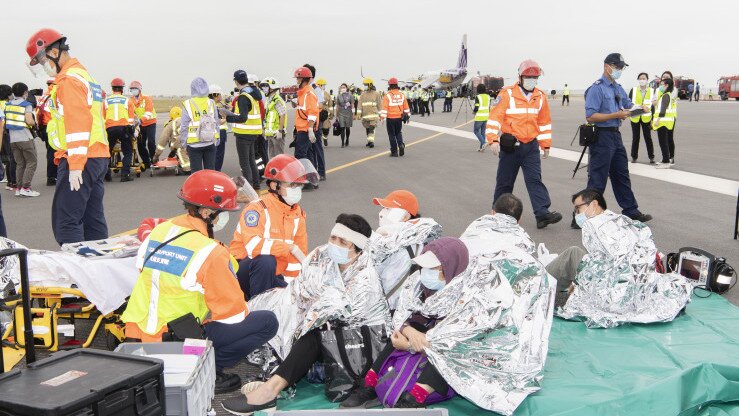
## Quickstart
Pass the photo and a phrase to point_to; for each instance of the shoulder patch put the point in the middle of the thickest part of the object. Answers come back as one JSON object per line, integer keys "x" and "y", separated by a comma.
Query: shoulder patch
{"x": 251, "y": 218}
{"x": 597, "y": 81}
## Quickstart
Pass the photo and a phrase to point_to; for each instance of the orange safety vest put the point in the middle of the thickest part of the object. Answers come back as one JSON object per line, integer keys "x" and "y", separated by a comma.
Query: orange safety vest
{"x": 525, "y": 119}
{"x": 307, "y": 109}
{"x": 394, "y": 104}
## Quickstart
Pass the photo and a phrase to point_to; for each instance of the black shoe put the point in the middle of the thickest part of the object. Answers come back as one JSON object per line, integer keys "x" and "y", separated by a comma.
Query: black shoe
{"x": 50, "y": 181}
{"x": 633, "y": 160}
{"x": 371, "y": 145}
{"x": 238, "y": 406}
{"x": 401, "y": 150}
{"x": 652, "y": 162}
{"x": 407, "y": 401}
{"x": 309, "y": 187}
{"x": 342, "y": 145}
{"x": 323, "y": 178}
{"x": 127, "y": 178}
{"x": 640, "y": 217}
{"x": 144, "y": 167}
{"x": 573, "y": 224}
{"x": 108, "y": 177}
{"x": 368, "y": 144}
{"x": 227, "y": 382}
{"x": 362, "y": 397}
{"x": 550, "y": 218}
{"x": 393, "y": 154}
{"x": 325, "y": 142}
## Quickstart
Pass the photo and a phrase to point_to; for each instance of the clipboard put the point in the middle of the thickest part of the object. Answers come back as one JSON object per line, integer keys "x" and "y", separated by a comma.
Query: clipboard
{"x": 637, "y": 112}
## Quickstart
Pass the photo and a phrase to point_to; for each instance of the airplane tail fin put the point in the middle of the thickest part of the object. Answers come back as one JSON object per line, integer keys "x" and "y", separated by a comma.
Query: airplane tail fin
{"x": 462, "y": 60}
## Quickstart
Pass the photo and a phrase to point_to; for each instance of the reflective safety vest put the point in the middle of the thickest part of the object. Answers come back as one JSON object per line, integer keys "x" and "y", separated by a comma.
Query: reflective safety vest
{"x": 448, "y": 94}
{"x": 141, "y": 112}
{"x": 483, "y": 109}
{"x": 669, "y": 119}
{"x": 272, "y": 121}
{"x": 117, "y": 108}
{"x": 204, "y": 104}
{"x": 639, "y": 100}
{"x": 253, "y": 124}
{"x": 55, "y": 128}
{"x": 15, "y": 115}
{"x": 566, "y": 92}
{"x": 167, "y": 287}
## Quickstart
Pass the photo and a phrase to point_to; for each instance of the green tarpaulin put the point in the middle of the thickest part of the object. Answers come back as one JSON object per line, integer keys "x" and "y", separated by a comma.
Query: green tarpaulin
{"x": 686, "y": 367}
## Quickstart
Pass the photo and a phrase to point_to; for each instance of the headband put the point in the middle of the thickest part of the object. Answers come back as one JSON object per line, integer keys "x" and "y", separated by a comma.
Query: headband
{"x": 342, "y": 231}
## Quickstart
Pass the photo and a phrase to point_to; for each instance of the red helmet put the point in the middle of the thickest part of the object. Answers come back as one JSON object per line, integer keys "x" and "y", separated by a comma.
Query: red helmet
{"x": 117, "y": 82}
{"x": 38, "y": 42}
{"x": 285, "y": 168}
{"x": 303, "y": 72}
{"x": 210, "y": 189}
{"x": 392, "y": 81}
{"x": 529, "y": 68}
{"x": 134, "y": 84}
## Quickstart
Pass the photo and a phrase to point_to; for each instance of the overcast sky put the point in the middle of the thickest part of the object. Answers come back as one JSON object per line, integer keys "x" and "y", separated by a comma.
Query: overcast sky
{"x": 164, "y": 44}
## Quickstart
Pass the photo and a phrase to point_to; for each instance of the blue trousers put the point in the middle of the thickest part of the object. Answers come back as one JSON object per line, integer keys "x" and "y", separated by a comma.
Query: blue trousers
{"x": 221, "y": 150}
{"x": 608, "y": 159}
{"x": 257, "y": 275}
{"x": 302, "y": 145}
{"x": 3, "y": 230}
{"x": 79, "y": 215}
{"x": 479, "y": 130}
{"x": 315, "y": 154}
{"x": 147, "y": 143}
{"x": 525, "y": 157}
{"x": 232, "y": 342}
{"x": 202, "y": 157}
{"x": 395, "y": 133}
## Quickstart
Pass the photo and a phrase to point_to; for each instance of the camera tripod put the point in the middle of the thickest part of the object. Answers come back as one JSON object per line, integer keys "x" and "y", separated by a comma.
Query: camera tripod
{"x": 467, "y": 107}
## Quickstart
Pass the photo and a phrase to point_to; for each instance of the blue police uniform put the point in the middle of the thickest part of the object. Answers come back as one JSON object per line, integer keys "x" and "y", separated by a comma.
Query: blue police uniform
{"x": 608, "y": 155}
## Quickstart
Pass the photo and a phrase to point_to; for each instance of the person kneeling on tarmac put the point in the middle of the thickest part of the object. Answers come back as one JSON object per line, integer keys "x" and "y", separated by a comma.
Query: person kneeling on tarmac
{"x": 271, "y": 238}
{"x": 195, "y": 276}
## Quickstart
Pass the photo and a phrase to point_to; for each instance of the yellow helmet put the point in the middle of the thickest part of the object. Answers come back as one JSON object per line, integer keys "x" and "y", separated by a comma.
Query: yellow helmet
{"x": 320, "y": 81}
{"x": 367, "y": 81}
{"x": 175, "y": 112}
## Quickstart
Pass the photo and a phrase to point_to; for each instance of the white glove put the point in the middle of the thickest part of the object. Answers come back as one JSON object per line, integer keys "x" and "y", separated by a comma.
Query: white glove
{"x": 311, "y": 135}
{"x": 495, "y": 148}
{"x": 75, "y": 180}
{"x": 546, "y": 154}
{"x": 298, "y": 253}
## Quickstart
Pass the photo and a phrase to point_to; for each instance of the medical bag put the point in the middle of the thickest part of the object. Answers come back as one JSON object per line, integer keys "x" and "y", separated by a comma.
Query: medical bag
{"x": 702, "y": 269}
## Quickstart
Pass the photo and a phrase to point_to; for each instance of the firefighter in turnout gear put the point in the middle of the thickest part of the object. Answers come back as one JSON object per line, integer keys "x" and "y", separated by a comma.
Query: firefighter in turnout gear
{"x": 370, "y": 103}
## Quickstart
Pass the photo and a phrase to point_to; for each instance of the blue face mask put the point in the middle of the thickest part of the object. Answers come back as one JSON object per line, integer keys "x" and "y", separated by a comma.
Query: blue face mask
{"x": 616, "y": 74}
{"x": 580, "y": 219}
{"x": 430, "y": 279}
{"x": 339, "y": 255}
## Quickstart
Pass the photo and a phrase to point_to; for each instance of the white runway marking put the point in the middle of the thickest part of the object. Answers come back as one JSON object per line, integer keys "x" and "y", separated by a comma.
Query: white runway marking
{"x": 693, "y": 180}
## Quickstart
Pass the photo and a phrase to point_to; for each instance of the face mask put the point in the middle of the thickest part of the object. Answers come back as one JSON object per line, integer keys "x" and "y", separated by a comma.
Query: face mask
{"x": 135, "y": 92}
{"x": 49, "y": 68}
{"x": 343, "y": 90}
{"x": 338, "y": 254}
{"x": 642, "y": 82}
{"x": 389, "y": 216}
{"x": 616, "y": 74}
{"x": 293, "y": 195}
{"x": 430, "y": 279}
{"x": 265, "y": 90}
{"x": 662, "y": 88}
{"x": 221, "y": 221}
{"x": 529, "y": 83}
{"x": 581, "y": 218}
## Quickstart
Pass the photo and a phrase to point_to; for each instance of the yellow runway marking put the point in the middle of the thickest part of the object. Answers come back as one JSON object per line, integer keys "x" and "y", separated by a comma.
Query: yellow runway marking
{"x": 346, "y": 165}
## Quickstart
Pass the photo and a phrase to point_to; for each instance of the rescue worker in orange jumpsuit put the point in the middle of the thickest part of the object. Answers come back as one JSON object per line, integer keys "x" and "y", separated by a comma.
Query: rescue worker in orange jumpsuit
{"x": 306, "y": 117}
{"x": 147, "y": 117}
{"x": 395, "y": 109}
{"x": 77, "y": 132}
{"x": 517, "y": 128}
{"x": 271, "y": 239}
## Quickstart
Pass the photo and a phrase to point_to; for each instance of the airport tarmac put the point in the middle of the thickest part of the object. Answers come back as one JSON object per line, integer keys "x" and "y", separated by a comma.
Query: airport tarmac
{"x": 454, "y": 183}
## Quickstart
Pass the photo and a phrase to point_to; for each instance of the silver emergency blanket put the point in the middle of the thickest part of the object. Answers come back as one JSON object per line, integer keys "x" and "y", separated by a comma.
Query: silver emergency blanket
{"x": 391, "y": 239}
{"x": 492, "y": 344}
{"x": 617, "y": 282}
{"x": 496, "y": 230}
{"x": 321, "y": 293}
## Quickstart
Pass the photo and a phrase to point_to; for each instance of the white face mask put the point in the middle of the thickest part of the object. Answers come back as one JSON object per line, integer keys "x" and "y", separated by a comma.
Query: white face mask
{"x": 430, "y": 279}
{"x": 642, "y": 82}
{"x": 338, "y": 254}
{"x": 135, "y": 92}
{"x": 221, "y": 221}
{"x": 343, "y": 90}
{"x": 292, "y": 195}
{"x": 265, "y": 90}
{"x": 50, "y": 68}
{"x": 529, "y": 83}
{"x": 389, "y": 216}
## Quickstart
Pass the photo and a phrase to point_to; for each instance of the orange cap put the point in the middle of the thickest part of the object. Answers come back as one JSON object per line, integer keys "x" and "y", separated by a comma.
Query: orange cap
{"x": 399, "y": 199}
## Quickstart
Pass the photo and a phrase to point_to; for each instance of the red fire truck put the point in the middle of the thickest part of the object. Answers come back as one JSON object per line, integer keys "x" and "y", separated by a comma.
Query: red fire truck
{"x": 728, "y": 87}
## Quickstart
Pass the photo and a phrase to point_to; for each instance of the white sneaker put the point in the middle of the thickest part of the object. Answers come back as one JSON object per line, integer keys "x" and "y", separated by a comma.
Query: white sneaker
{"x": 17, "y": 191}
{"x": 28, "y": 192}
{"x": 663, "y": 166}
{"x": 4, "y": 180}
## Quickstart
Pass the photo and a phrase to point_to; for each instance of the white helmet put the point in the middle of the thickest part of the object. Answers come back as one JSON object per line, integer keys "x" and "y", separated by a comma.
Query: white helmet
{"x": 215, "y": 89}
{"x": 271, "y": 82}
{"x": 252, "y": 78}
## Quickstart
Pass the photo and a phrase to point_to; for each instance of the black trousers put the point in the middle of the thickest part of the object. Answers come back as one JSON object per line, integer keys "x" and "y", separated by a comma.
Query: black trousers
{"x": 565, "y": 98}
{"x": 429, "y": 375}
{"x": 120, "y": 133}
{"x": 50, "y": 166}
{"x": 345, "y": 133}
{"x": 666, "y": 145}
{"x": 394, "y": 132}
{"x": 647, "y": 131}
{"x": 246, "y": 149}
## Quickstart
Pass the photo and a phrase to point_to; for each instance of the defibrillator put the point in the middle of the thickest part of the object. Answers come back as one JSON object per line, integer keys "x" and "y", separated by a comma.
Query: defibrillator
{"x": 702, "y": 269}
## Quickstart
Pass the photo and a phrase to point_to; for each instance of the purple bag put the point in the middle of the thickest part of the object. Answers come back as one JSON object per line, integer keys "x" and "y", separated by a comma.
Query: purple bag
{"x": 399, "y": 373}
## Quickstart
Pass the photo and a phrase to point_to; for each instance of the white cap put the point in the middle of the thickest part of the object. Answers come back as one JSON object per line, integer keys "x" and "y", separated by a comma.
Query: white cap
{"x": 252, "y": 78}
{"x": 215, "y": 89}
{"x": 427, "y": 260}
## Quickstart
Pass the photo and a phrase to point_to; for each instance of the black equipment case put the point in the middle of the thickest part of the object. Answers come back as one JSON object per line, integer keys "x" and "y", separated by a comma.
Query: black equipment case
{"x": 85, "y": 383}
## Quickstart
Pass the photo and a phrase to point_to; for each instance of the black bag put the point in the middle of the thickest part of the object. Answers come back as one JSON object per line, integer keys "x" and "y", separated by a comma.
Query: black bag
{"x": 405, "y": 118}
{"x": 186, "y": 326}
{"x": 508, "y": 142}
{"x": 348, "y": 353}
{"x": 337, "y": 128}
{"x": 587, "y": 135}
{"x": 322, "y": 116}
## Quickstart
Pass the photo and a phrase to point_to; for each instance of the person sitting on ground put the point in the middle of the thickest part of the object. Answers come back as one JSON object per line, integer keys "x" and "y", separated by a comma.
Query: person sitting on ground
{"x": 170, "y": 138}
{"x": 501, "y": 226}
{"x": 195, "y": 277}
{"x": 441, "y": 261}
{"x": 331, "y": 272}
{"x": 271, "y": 239}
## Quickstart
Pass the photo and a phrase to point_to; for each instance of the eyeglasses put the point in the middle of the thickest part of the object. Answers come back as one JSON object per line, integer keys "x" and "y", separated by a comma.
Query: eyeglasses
{"x": 577, "y": 207}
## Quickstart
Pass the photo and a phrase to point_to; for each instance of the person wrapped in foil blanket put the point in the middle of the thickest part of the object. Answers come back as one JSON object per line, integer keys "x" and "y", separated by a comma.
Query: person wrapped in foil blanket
{"x": 616, "y": 281}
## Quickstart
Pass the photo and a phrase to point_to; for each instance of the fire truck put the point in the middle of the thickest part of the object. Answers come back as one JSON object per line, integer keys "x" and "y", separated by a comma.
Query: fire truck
{"x": 728, "y": 87}
{"x": 681, "y": 86}
{"x": 492, "y": 83}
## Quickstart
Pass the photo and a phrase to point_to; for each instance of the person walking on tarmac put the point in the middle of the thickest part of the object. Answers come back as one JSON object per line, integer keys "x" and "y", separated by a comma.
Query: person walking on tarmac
{"x": 369, "y": 110}
{"x": 19, "y": 121}
{"x": 119, "y": 118}
{"x": 195, "y": 274}
{"x": 43, "y": 116}
{"x": 247, "y": 126}
{"x": 606, "y": 104}
{"x": 146, "y": 117}
{"x": 199, "y": 127}
{"x": 306, "y": 116}
{"x": 344, "y": 113}
{"x": 327, "y": 107}
{"x": 77, "y": 132}
{"x": 517, "y": 127}
{"x": 395, "y": 110}
{"x": 566, "y": 96}
{"x": 315, "y": 152}
{"x": 482, "y": 112}
{"x": 664, "y": 121}
{"x": 275, "y": 122}
{"x": 271, "y": 239}
{"x": 641, "y": 95}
